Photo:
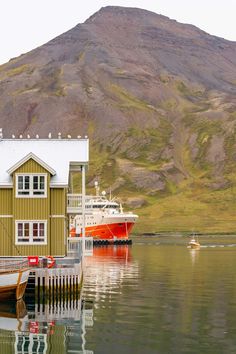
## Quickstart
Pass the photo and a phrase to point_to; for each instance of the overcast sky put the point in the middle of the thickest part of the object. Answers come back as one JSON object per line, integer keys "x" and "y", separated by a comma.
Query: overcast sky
{"x": 27, "y": 24}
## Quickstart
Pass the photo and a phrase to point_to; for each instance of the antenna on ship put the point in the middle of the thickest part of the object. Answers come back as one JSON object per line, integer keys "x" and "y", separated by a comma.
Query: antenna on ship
{"x": 96, "y": 188}
{"x": 110, "y": 193}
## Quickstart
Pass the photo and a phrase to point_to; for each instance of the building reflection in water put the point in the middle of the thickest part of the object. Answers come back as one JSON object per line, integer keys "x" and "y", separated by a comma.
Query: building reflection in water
{"x": 58, "y": 327}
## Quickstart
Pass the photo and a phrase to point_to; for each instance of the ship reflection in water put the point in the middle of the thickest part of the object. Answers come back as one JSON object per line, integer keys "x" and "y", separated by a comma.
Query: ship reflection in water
{"x": 55, "y": 328}
{"x": 106, "y": 272}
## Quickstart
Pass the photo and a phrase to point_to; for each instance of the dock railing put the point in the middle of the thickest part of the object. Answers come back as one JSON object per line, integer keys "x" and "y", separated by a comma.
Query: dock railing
{"x": 74, "y": 203}
{"x": 75, "y": 246}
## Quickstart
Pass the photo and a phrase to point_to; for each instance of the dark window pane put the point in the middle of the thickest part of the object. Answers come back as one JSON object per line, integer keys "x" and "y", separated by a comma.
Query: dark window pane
{"x": 41, "y": 229}
{"x": 20, "y": 230}
{"x": 26, "y": 233}
{"x": 42, "y": 182}
{"x": 20, "y": 182}
{"x": 35, "y": 182}
{"x": 38, "y": 192}
{"x": 35, "y": 229}
{"x": 23, "y": 192}
{"x": 27, "y": 182}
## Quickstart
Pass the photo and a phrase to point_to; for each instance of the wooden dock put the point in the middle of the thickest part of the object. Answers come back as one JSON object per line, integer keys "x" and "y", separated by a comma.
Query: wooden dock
{"x": 61, "y": 283}
{"x": 64, "y": 280}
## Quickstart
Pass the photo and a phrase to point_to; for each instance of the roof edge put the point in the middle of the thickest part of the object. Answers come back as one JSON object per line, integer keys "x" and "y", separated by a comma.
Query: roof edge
{"x": 7, "y": 186}
{"x": 36, "y": 159}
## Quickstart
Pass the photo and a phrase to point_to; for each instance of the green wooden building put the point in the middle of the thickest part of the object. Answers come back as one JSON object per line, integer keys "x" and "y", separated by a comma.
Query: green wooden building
{"x": 34, "y": 185}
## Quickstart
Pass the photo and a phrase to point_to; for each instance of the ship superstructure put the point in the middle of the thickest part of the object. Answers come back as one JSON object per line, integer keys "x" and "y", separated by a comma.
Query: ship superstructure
{"x": 105, "y": 218}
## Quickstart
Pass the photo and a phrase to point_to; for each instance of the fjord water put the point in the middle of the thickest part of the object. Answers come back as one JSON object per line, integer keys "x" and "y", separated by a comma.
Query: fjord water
{"x": 160, "y": 297}
{"x": 155, "y": 296}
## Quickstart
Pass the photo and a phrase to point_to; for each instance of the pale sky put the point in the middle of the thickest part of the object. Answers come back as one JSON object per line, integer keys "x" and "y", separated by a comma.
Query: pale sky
{"x": 27, "y": 24}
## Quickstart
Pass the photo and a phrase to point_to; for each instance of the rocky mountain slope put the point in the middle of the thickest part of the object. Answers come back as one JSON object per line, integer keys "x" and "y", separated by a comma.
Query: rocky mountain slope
{"x": 157, "y": 99}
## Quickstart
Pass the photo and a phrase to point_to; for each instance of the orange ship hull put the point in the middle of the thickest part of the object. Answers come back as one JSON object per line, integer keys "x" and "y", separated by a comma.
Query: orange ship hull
{"x": 107, "y": 231}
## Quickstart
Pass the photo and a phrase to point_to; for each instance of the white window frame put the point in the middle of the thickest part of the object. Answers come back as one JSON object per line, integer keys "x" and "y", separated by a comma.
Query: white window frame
{"x": 31, "y": 185}
{"x": 31, "y": 237}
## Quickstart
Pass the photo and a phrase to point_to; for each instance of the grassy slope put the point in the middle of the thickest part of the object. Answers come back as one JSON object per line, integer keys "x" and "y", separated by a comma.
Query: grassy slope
{"x": 203, "y": 211}
{"x": 187, "y": 206}
{"x": 182, "y": 206}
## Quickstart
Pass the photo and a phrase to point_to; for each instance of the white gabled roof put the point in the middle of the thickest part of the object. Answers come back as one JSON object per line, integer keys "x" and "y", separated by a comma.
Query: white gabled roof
{"x": 35, "y": 158}
{"x": 55, "y": 155}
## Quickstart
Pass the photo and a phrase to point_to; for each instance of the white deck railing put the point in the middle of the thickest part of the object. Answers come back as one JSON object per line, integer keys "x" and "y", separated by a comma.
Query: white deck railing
{"x": 75, "y": 246}
{"x": 74, "y": 202}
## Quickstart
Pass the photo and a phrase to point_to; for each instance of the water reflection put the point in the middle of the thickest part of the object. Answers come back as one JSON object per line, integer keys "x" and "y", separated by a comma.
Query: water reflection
{"x": 58, "y": 327}
{"x": 106, "y": 272}
{"x": 160, "y": 297}
{"x": 13, "y": 315}
{"x": 194, "y": 255}
{"x": 153, "y": 297}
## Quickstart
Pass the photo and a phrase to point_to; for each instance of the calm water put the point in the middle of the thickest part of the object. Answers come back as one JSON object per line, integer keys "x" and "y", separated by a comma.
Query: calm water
{"x": 155, "y": 296}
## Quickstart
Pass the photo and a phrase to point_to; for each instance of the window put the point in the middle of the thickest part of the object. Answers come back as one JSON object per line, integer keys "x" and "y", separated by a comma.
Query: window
{"x": 31, "y": 232}
{"x": 38, "y": 185}
{"x": 31, "y": 185}
{"x": 23, "y": 185}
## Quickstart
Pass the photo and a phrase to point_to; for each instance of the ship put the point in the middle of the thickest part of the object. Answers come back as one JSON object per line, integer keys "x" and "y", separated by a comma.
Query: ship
{"x": 194, "y": 243}
{"x": 105, "y": 219}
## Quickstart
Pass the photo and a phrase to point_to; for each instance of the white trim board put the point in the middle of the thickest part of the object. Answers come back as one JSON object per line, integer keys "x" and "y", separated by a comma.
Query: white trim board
{"x": 36, "y": 159}
{"x": 57, "y": 216}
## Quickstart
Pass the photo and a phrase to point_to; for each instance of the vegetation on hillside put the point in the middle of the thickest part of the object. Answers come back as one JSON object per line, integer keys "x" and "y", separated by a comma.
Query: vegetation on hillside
{"x": 157, "y": 100}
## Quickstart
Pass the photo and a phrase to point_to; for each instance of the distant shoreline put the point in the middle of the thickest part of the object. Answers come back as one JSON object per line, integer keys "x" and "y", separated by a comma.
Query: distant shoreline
{"x": 183, "y": 234}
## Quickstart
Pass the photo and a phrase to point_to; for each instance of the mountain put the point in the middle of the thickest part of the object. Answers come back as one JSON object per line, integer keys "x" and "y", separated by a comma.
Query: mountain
{"x": 157, "y": 99}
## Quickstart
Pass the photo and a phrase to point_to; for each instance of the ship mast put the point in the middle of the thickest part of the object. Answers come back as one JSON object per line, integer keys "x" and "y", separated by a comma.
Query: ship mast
{"x": 97, "y": 188}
